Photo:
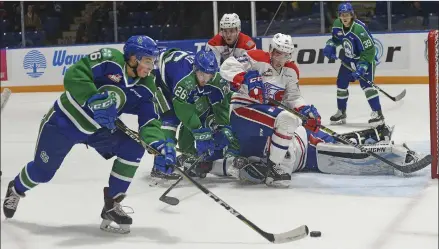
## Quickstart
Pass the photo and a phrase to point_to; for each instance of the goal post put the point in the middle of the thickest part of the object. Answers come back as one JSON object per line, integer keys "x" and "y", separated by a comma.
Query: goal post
{"x": 433, "y": 67}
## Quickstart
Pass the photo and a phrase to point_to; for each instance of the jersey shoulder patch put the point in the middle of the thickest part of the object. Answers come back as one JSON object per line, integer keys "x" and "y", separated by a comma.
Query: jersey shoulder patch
{"x": 259, "y": 55}
{"x": 293, "y": 66}
{"x": 217, "y": 40}
{"x": 245, "y": 42}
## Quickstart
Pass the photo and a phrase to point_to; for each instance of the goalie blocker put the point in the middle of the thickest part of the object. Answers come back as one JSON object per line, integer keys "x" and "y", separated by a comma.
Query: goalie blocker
{"x": 324, "y": 156}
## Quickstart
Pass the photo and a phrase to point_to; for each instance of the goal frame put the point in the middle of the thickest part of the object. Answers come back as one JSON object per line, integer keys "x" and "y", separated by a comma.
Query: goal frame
{"x": 433, "y": 53}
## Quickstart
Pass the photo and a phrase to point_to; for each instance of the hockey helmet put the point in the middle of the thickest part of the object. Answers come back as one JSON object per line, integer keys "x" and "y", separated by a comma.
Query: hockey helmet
{"x": 282, "y": 43}
{"x": 139, "y": 46}
{"x": 230, "y": 21}
{"x": 345, "y": 8}
{"x": 205, "y": 61}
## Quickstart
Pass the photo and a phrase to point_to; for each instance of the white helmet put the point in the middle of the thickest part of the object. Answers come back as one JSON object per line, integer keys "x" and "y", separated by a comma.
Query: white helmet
{"x": 283, "y": 43}
{"x": 230, "y": 21}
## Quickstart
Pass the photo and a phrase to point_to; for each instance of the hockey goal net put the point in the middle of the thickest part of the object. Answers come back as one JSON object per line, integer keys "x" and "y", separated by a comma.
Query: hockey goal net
{"x": 433, "y": 67}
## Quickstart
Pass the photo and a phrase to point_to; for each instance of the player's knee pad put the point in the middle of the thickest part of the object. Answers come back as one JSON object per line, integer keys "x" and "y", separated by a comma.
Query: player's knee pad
{"x": 343, "y": 81}
{"x": 284, "y": 126}
{"x": 286, "y": 123}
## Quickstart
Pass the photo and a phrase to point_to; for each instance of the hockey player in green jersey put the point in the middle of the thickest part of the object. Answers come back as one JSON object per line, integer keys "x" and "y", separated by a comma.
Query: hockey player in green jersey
{"x": 194, "y": 95}
{"x": 99, "y": 88}
{"x": 359, "y": 50}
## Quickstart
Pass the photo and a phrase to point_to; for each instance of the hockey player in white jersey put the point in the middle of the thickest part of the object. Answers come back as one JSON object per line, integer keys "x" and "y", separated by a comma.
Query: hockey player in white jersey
{"x": 230, "y": 41}
{"x": 256, "y": 77}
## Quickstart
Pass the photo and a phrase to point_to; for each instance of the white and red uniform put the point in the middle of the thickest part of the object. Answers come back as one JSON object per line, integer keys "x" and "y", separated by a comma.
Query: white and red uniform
{"x": 281, "y": 86}
{"x": 251, "y": 119}
{"x": 223, "y": 51}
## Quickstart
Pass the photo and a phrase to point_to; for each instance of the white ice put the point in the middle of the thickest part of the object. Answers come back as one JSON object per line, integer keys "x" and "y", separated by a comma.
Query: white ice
{"x": 386, "y": 212}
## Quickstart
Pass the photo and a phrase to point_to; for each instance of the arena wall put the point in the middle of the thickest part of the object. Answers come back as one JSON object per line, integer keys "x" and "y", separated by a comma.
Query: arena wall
{"x": 402, "y": 60}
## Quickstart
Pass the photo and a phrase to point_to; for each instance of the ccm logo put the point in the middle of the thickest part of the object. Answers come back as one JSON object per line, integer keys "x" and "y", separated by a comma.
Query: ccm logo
{"x": 253, "y": 80}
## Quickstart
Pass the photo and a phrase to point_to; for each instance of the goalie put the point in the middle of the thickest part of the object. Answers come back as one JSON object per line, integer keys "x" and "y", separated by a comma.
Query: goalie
{"x": 314, "y": 152}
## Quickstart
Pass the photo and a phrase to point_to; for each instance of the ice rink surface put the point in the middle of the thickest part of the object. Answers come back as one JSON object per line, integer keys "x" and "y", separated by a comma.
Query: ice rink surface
{"x": 385, "y": 212}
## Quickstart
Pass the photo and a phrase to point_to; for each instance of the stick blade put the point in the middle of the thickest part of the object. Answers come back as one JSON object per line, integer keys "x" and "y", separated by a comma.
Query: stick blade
{"x": 424, "y": 162}
{"x": 169, "y": 200}
{"x": 400, "y": 96}
{"x": 292, "y": 235}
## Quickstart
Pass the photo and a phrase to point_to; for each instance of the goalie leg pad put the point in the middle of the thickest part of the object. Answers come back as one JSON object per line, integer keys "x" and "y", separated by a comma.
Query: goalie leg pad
{"x": 347, "y": 160}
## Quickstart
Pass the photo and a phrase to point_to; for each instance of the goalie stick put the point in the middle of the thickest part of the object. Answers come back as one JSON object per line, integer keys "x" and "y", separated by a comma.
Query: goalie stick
{"x": 409, "y": 168}
{"x": 397, "y": 98}
{"x": 292, "y": 235}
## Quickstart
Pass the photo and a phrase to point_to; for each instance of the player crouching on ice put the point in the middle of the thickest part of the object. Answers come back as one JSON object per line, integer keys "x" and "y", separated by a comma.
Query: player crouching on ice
{"x": 191, "y": 92}
{"x": 359, "y": 50}
{"x": 257, "y": 77}
{"x": 99, "y": 88}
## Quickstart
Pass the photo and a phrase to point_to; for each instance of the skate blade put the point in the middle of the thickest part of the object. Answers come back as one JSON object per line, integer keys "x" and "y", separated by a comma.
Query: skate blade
{"x": 278, "y": 184}
{"x": 376, "y": 124}
{"x": 107, "y": 227}
{"x": 340, "y": 122}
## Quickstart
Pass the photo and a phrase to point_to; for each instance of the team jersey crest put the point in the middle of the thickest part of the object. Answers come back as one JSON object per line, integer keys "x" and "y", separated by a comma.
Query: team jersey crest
{"x": 273, "y": 91}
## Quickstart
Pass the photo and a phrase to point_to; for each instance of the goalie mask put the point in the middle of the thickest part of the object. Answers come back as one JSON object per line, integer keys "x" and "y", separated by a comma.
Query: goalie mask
{"x": 230, "y": 26}
{"x": 281, "y": 49}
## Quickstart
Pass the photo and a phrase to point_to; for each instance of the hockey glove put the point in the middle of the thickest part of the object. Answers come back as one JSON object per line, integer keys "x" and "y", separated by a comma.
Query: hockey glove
{"x": 104, "y": 109}
{"x": 361, "y": 70}
{"x": 204, "y": 142}
{"x": 314, "y": 120}
{"x": 223, "y": 137}
{"x": 166, "y": 161}
{"x": 256, "y": 88}
{"x": 330, "y": 51}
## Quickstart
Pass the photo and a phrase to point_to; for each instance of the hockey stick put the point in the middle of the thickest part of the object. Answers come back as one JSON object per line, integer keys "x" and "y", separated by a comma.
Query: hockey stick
{"x": 292, "y": 235}
{"x": 173, "y": 200}
{"x": 397, "y": 98}
{"x": 409, "y": 168}
{"x": 5, "y": 97}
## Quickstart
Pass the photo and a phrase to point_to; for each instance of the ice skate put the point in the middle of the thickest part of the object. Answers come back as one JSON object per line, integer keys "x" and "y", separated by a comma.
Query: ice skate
{"x": 158, "y": 174}
{"x": 200, "y": 169}
{"x": 338, "y": 118}
{"x": 276, "y": 176}
{"x": 248, "y": 172}
{"x": 113, "y": 212}
{"x": 11, "y": 200}
{"x": 376, "y": 118}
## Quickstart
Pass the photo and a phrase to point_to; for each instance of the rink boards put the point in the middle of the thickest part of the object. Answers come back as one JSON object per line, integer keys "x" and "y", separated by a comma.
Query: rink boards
{"x": 402, "y": 60}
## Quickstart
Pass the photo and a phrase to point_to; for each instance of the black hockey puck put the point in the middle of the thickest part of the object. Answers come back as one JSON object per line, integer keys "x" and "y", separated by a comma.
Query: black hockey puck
{"x": 315, "y": 234}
